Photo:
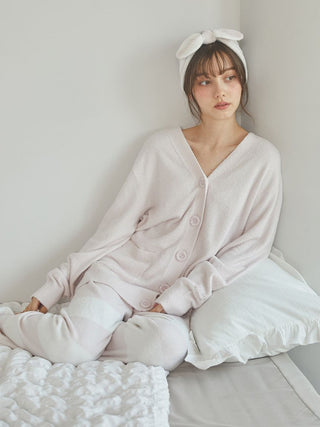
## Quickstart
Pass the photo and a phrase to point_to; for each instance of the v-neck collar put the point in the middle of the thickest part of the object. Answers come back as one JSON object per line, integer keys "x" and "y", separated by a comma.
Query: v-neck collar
{"x": 192, "y": 161}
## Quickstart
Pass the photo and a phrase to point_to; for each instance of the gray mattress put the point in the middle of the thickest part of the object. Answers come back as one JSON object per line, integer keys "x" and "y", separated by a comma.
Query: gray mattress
{"x": 264, "y": 392}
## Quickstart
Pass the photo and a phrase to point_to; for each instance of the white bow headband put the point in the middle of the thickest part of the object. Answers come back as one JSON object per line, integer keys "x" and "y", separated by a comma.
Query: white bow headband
{"x": 192, "y": 43}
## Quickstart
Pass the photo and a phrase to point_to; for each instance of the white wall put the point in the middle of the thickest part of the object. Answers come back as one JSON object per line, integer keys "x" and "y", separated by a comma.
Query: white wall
{"x": 282, "y": 39}
{"x": 82, "y": 84}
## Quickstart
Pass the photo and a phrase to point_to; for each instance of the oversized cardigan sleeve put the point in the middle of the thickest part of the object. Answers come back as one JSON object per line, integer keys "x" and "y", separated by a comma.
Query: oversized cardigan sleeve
{"x": 252, "y": 245}
{"x": 116, "y": 227}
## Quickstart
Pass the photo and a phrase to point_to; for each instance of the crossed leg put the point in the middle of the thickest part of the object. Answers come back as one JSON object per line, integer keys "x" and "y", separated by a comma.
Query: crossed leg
{"x": 151, "y": 338}
{"x": 80, "y": 332}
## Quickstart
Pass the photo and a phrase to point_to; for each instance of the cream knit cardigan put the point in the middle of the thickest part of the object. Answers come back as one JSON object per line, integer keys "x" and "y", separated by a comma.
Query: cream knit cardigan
{"x": 174, "y": 235}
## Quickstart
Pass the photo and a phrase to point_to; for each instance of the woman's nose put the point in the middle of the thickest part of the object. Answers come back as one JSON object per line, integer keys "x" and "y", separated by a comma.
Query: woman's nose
{"x": 218, "y": 89}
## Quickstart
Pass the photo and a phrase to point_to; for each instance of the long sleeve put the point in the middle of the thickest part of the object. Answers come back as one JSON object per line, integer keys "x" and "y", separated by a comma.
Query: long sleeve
{"x": 252, "y": 245}
{"x": 116, "y": 227}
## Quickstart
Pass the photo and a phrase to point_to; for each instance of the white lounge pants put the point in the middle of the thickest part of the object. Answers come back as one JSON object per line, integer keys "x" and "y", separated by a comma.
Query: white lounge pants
{"x": 98, "y": 322}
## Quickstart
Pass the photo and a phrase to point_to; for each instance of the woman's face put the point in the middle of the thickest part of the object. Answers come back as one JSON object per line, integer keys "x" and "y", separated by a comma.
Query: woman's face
{"x": 218, "y": 95}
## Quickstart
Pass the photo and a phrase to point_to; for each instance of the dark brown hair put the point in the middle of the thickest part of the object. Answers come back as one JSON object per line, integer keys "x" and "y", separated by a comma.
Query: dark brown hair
{"x": 201, "y": 63}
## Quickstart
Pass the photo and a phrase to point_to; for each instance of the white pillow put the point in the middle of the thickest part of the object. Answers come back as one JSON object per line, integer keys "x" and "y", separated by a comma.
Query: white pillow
{"x": 266, "y": 311}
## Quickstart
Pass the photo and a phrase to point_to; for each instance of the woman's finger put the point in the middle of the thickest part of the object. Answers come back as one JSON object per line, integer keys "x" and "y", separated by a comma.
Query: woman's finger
{"x": 28, "y": 308}
{"x": 33, "y": 305}
{"x": 43, "y": 309}
{"x": 157, "y": 309}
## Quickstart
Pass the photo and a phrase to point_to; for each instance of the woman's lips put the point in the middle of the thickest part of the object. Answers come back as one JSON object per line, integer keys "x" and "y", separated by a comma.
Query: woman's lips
{"x": 222, "y": 106}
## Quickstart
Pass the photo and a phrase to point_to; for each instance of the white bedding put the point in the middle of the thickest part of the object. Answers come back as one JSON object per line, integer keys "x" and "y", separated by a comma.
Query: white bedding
{"x": 35, "y": 392}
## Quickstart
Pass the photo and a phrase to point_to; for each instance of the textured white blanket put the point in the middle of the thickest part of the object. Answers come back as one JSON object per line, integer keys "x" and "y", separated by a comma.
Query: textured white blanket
{"x": 35, "y": 392}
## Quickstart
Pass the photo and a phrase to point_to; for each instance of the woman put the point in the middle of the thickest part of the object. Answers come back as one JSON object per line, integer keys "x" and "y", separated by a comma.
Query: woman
{"x": 199, "y": 207}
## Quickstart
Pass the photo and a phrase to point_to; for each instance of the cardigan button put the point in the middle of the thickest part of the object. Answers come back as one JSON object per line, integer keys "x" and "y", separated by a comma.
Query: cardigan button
{"x": 181, "y": 255}
{"x": 163, "y": 287}
{"x": 146, "y": 304}
{"x": 194, "y": 220}
{"x": 202, "y": 182}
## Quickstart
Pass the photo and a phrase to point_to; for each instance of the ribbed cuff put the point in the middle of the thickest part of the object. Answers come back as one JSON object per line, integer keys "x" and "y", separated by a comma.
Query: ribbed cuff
{"x": 174, "y": 301}
{"x": 48, "y": 295}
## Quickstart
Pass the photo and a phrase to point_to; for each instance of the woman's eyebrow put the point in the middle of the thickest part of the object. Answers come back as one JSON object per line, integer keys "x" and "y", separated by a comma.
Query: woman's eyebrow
{"x": 227, "y": 69}
{"x": 222, "y": 72}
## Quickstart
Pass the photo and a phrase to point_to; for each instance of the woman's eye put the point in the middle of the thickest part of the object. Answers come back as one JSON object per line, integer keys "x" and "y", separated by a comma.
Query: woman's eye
{"x": 229, "y": 78}
{"x": 204, "y": 82}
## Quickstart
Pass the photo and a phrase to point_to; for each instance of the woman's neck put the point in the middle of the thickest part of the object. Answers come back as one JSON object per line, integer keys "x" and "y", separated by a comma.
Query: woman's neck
{"x": 217, "y": 134}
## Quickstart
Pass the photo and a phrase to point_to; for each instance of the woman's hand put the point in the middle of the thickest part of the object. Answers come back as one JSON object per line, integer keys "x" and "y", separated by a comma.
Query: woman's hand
{"x": 35, "y": 305}
{"x": 157, "y": 309}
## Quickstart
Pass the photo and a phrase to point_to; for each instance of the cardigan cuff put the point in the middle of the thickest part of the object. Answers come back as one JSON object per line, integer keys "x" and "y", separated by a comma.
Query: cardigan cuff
{"x": 48, "y": 295}
{"x": 173, "y": 302}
